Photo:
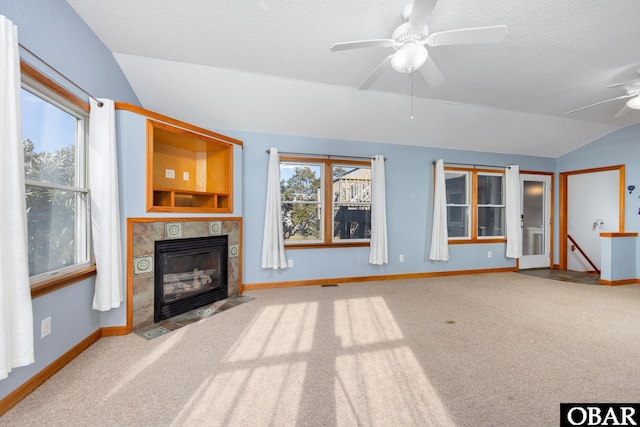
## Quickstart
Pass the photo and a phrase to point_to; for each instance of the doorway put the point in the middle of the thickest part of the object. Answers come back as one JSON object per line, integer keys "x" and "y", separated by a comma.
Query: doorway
{"x": 591, "y": 201}
{"x": 536, "y": 221}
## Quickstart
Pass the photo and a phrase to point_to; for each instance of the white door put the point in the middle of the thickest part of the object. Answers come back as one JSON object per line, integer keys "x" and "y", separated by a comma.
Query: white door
{"x": 535, "y": 192}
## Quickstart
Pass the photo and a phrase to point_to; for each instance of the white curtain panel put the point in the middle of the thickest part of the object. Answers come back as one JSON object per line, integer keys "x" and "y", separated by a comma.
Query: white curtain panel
{"x": 273, "y": 254}
{"x": 16, "y": 312}
{"x": 378, "y": 252}
{"x": 105, "y": 212}
{"x": 439, "y": 234}
{"x": 513, "y": 214}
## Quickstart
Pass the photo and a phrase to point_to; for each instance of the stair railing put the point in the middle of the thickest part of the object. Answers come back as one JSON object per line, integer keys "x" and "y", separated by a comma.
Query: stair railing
{"x": 576, "y": 246}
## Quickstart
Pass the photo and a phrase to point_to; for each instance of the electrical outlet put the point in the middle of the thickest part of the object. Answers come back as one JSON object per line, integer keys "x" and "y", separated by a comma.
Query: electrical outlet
{"x": 489, "y": 254}
{"x": 290, "y": 263}
{"x": 185, "y": 176}
{"x": 45, "y": 327}
{"x": 169, "y": 173}
{"x": 401, "y": 258}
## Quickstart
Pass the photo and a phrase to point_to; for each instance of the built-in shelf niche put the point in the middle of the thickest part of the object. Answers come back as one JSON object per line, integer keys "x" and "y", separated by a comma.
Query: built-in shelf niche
{"x": 187, "y": 171}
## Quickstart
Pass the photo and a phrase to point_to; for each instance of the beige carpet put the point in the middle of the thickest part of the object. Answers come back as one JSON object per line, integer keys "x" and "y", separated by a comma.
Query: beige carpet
{"x": 486, "y": 350}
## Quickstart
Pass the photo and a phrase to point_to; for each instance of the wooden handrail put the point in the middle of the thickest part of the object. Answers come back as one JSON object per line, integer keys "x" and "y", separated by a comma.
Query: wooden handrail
{"x": 583, "y": 254}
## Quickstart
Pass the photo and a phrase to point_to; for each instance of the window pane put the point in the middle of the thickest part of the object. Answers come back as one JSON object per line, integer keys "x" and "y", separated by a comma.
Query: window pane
{"x": 351, "y": 202}
{"x": 49, "y": 136}
{"x": 490, "y": 221}
{"x": 301, "y": 221}
{"x": 490, "y": 190}
{"x": 457, "y": 191}
{"x": 301, "y": 182}
{"x": 52, "y": 230}
{"x": 458, "y": 221}
{"x": 533, "y": 218}
{"x": 301, "y": 192}
{"x": 351, "y": 222}
{"x": 351, "y": 184}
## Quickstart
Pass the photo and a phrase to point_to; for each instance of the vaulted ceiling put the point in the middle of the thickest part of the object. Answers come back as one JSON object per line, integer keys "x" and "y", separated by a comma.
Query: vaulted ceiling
{"x": 266, "y": 66}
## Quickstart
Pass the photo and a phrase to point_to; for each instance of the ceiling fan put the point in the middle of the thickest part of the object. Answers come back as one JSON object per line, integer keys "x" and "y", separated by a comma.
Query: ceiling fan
{"x": 409, "y": 41}
{"x": 632, "y": 90}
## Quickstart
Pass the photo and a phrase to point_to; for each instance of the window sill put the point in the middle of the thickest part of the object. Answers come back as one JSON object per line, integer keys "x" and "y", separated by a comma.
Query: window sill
{"x": 326, "y": 245}
{"x": 51, "y": 285}
{"x": 474, "y": 241}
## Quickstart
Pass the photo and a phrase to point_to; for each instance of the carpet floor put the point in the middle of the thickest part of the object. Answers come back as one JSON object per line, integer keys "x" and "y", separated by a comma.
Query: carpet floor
{"x": 501, "y": 349}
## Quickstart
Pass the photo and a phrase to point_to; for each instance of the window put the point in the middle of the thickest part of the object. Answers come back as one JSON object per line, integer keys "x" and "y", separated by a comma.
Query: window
{"x": 54, "y": 133}
{"x": 490, "y": 210}
{"x": 325, "y": 202}
{"x": 301, "y": 193}
{"x": 458, "y": 204}
{"x": 475, "y": 205}
{"x": 351, "y": 202}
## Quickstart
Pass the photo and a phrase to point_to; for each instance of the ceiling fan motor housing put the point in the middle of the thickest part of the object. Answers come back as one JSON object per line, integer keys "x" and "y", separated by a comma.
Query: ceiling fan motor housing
{"x": 403, "y": 34}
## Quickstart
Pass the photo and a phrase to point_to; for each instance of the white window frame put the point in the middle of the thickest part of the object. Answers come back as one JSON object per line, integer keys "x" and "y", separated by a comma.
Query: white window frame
{"x": 465, "y": 204}
{"x": 319, "y": 202}
{"x": 478, "y": 205}
{"x": 358, "y": 187}
{"x": 84, "y": 253}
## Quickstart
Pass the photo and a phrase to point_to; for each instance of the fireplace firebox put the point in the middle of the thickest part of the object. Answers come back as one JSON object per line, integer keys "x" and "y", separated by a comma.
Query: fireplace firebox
{"x": 189, "y": 273}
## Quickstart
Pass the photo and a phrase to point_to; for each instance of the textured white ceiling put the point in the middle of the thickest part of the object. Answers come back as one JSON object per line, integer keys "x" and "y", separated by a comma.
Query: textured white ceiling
{"x": 266, "y": 66}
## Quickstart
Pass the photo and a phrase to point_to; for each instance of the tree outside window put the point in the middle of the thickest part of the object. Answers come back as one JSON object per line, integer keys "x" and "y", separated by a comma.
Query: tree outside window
{"x": 56, "y": 197}
{"x": 325, "y": 202}
{"x": 301, "y": 197}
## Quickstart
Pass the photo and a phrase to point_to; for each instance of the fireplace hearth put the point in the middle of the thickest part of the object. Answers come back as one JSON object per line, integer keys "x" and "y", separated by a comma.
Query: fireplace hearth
{"x": 189, "y": 273}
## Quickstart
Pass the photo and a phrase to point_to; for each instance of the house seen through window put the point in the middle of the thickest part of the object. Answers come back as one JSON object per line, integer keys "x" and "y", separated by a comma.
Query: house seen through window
{"x": 54, "y": 133}
{"x": 325, "y": 202}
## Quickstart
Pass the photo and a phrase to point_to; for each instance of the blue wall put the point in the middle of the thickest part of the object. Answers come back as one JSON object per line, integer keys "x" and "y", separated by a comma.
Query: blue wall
{"x": 409, "y": 184}
{"x": 53, "y": 31}
{"x": 620, "y": 147}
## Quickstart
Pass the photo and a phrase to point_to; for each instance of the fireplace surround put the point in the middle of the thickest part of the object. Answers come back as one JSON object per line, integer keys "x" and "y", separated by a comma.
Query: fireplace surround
{"x": 142, "y": 233}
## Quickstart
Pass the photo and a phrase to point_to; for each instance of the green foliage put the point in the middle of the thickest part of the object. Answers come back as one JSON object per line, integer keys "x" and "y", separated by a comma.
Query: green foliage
{"x": 301, "y": 220}
{"x": 50, "y": 213}
{"x": 339, "y": 171}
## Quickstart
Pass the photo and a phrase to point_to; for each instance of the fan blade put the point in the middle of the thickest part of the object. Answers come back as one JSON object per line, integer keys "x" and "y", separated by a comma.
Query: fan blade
{"x": 468, "y": 36}
{"x": 420, "y": 13}
{"x": 623, "y": 111}
{"x": 376, "y": 73}
{"x": 431, "y": 73}
{"x": 361, "y": 44}
{"x": 629, "y": 83}
{"x": 602, "y": 102}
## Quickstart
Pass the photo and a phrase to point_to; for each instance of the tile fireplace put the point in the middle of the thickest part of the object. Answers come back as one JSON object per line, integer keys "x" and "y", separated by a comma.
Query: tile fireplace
{"x": 144, "y": 233}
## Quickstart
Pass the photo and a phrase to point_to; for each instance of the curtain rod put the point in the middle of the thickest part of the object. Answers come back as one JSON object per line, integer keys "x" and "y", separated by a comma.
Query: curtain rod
{"x": 328, "y": 156}
{"x": 472, "y": 164}
{"x": 100, "y": 103}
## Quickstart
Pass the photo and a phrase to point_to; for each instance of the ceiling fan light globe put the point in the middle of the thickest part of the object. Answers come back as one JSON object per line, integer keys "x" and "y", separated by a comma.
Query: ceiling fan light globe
{"x": 634, "y": 103}
{"x": 409, "y": 58}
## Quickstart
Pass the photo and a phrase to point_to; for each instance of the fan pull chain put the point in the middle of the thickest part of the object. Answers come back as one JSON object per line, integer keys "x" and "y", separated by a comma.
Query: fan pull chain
{"x": 411, "y": 83}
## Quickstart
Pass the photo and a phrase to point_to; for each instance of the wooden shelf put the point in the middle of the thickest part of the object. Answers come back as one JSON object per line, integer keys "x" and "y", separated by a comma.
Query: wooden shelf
{"x": 187, "y": 171}
{"x": 169, "y": 198}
